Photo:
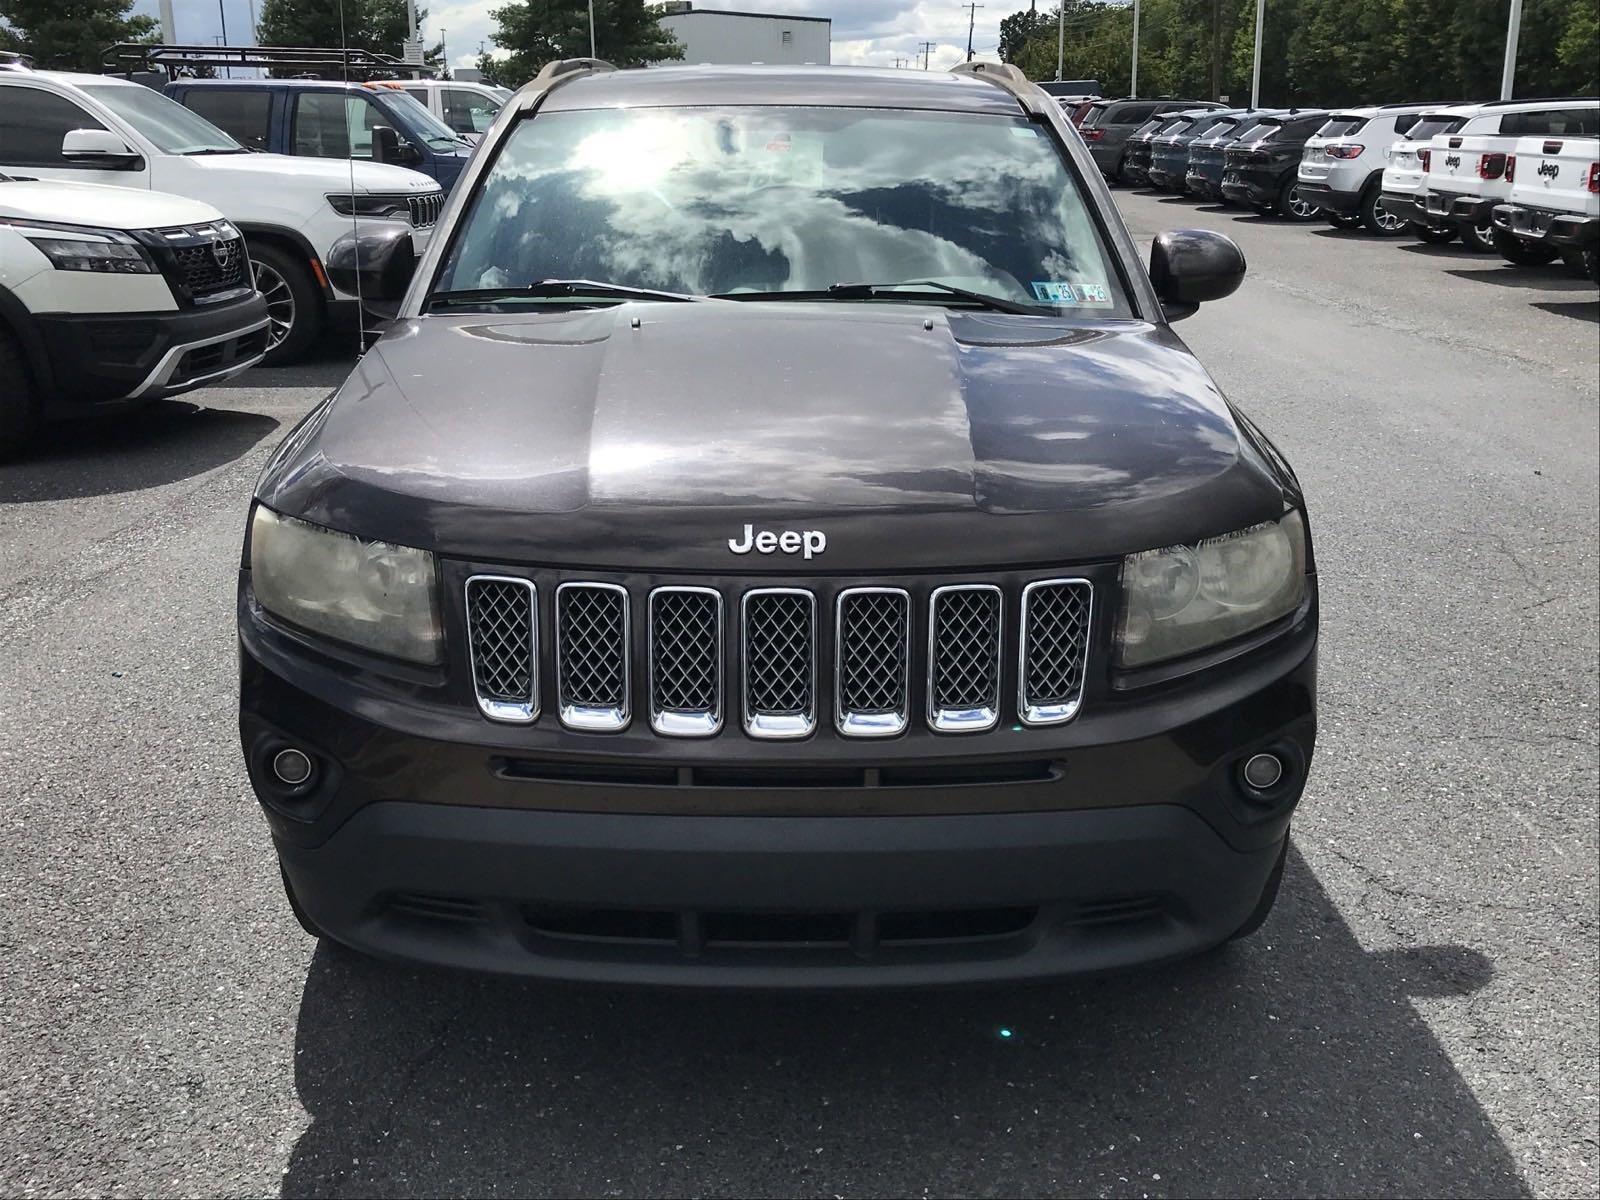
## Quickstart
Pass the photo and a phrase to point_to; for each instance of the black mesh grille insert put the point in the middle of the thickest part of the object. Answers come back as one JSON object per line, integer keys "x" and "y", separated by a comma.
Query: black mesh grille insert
{"x": 685, "y": 652}
{"x": 1055, "y": 621}
{"x": 500, "y": 621}
{"x": 873, "y": 652}
{"x": 210, "y": 268}
{"x": 779, "y": 637}
{"x": 966, "y": 648}
{"x": 592, "y": 646}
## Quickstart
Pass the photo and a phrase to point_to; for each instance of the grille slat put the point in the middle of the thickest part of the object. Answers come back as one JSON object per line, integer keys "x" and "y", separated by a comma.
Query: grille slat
{"x": 686, "y": 661}
{"x": 873, "y": 646}
{"x": 964, "y": 658}
{"x": 1054, "y": 649}
{"x": 502, "y": 623}
{"x": 780, "y": 663}
{"x": 425, "y": 209}
{"x": 592, "y": 654}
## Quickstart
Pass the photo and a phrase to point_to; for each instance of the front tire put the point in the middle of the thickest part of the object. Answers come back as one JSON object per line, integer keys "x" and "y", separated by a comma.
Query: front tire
{"x": 1376, "y": 219}
{"x": 19, "y": 399}
{"x": 1520, "y": 253}
{"x": 1269, "y": 897}
{"x": 1292, "y": 206}
{"x": 1434, "y": 237}
{"x": 294, "y": 302}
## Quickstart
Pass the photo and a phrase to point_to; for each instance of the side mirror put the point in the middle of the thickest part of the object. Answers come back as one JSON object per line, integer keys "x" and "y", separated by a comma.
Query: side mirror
{"x": 385, "y": 144}
{"x": 99, "y": 147}
{"x": 1191, "y": 266}
{"x": 376, "y": 265}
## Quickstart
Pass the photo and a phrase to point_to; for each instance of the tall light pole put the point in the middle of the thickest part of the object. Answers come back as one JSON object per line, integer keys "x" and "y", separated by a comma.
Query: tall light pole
{"x": 1513, "y": 31}
{"x": 1133, "y": 83}
{"x": 592, "y": 53}
{"x": 1255, "y": 71}
{"x": 1061, "y": 35}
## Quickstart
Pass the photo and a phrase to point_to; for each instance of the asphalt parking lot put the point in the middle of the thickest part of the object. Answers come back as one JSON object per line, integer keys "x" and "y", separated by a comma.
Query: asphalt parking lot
{"x": 1418, "y": 1017}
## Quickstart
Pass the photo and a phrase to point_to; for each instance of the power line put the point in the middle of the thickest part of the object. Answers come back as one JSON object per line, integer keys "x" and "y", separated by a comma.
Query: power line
{"x": 927, "y": 49}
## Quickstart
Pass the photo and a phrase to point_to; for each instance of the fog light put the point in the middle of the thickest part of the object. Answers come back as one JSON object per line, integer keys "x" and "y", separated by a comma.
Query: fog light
{"x": 1263, "y": 771}
{"x": 293, "y": 768}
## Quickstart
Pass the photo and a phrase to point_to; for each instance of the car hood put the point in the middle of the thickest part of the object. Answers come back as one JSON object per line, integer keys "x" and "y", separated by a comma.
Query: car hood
{"x": 99, "y": 205}
{"x": 910, "y": 437}
{"x": 333, "y": 173}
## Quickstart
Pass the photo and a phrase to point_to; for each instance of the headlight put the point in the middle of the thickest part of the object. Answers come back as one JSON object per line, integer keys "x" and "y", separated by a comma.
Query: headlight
{"x": 374, "y": 595}
{"x": 1184, "y": 598}
{"x": 107, "y": 258}
{"x": 361, "y": 204}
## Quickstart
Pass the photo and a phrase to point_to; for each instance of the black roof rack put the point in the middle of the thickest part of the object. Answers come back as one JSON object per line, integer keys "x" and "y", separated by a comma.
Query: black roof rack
{"x": 1423, "y": 104}
{"x": 316, "y": 62}
{"x": 1538, "y": 100}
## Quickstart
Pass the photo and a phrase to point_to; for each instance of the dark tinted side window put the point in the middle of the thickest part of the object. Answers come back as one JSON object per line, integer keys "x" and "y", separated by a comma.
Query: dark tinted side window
{"x": 334, "y": 125}
{"x": 1132, "y": 114}
{"x": 1404, "y": 122}
{"x": 1552, "y": 122}
{"x": 32, "y": 124}
{"x": 1341, "y": 127}
{"x": 245, "y": 113}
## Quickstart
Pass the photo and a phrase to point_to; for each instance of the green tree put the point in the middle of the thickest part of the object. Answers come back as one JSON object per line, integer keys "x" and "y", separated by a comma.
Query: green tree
{"x": 70, "y": 35}
{"x": 376, "y": 25}
{"x": 628, "y": 33}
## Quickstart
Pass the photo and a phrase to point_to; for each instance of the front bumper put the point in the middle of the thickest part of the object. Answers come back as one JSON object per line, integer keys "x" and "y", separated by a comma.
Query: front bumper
{"x": 142, "y": 356}
{"x": 1330, "y": 199}
{"x": 1575, "y": 230}
{"x": 430, "y": 835}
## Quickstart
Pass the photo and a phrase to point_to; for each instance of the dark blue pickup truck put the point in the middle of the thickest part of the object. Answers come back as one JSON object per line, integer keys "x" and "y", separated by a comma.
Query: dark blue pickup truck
{"x": 319, "y": 118}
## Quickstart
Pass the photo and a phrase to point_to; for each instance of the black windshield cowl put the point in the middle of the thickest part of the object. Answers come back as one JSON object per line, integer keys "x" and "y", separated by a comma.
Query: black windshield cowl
{"x": 914, "y": 290}
{"x": 577, "y": 291}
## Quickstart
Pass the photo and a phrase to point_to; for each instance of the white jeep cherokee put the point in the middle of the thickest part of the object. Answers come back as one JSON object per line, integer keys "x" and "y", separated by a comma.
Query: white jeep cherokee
{"x": 100, "y": 129}
{"x": 1341, "y": 167}
{"x": 1554, "y": 207}
{"x": 109, "y": 294}
{"x": 1471, "y": 171}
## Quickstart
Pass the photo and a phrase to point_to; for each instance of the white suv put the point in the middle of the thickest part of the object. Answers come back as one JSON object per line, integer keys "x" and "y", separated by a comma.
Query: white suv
{"x": 468, "y": 108}
{"x": 1341, "y": 167}
{"x": 1405, "y": 171}
{"x": 1554, "y": 206}
{"x": 100, "y": 129}
{"x": 109, "y": 295}
{"x": 1471, "y": 171}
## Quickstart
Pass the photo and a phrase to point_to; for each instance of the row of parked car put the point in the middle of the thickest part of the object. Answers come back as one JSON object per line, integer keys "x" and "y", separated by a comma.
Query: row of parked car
{"x": 225, "y": 239}
{"x": 1520, "y": 178}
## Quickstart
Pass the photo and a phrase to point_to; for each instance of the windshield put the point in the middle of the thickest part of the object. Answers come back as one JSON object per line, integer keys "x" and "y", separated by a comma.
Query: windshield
{"x": 428, "y": 127}
{"x": 1338, "y": 127}
{"x": 1096, "y": 111}
{"x": 1147, "y": 128}
{"x": 1178, "y": 127}
{"x": 773, "y": 200}
{"x": 168, "y": 125}
{"x": 1432, "y": 126}
{"x": 1226, "y": 126}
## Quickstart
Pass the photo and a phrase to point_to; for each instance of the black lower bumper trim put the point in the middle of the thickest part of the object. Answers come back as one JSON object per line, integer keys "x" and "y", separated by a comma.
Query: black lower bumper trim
{"x": 1331, "y": 200}
{"x": 1406, "y": 208}
{"x": 777, "y": 901}
{"x": 100, "y": 358}
{"x": 1575, "y": 230}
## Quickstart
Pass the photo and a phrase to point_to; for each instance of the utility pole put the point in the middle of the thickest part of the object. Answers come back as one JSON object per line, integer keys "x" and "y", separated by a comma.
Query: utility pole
{"x": 1133, "y": 83}
{"x": 1216, "y": 49}
{"x": 972, "y": 20}
{"x": 1255, "y": 71}
{"x": 592, "y": 53}
{"x": 927, "y": 49}
{"x": 1061, "y": 35}
{"x": 1513, "y": 31}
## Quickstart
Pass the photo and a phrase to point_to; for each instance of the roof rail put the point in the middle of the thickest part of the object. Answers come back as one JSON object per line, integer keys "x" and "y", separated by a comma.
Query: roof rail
{"x": 1426, "y": 104}
{"x": 1009, "y": 77}
{"x": 15, "y": 61}
{"x": 1539, "y": 100}
{"x": 315, "y": 61}
{"x": 553, "y": 74}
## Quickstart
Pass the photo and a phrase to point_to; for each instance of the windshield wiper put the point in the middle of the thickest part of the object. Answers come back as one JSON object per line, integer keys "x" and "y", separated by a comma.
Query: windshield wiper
{"x": 872, "y": 291}
{"x": 214, "y": 150}
{"x": 546, "y": 289}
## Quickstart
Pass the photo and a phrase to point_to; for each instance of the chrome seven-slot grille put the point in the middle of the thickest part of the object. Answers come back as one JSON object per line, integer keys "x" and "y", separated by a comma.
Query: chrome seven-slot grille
{"x": 774, "y": 689}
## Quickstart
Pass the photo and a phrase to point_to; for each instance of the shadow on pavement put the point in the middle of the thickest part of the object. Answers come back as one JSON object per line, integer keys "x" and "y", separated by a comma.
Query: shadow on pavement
{"x": 1444, "y": 250}
{"x": 1294, "y": 1063}
{"x": 1577, "y": 310}
{"x": 127, "y": 451}
{"x": 1552, "y": 278}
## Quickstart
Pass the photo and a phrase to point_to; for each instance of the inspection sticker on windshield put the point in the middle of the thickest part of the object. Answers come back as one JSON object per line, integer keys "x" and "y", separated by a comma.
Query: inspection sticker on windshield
{"x": 1052, "y": 291}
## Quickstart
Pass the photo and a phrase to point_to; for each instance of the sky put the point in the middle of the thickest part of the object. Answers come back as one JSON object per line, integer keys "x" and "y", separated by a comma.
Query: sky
{"x": 865, "y": 32}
